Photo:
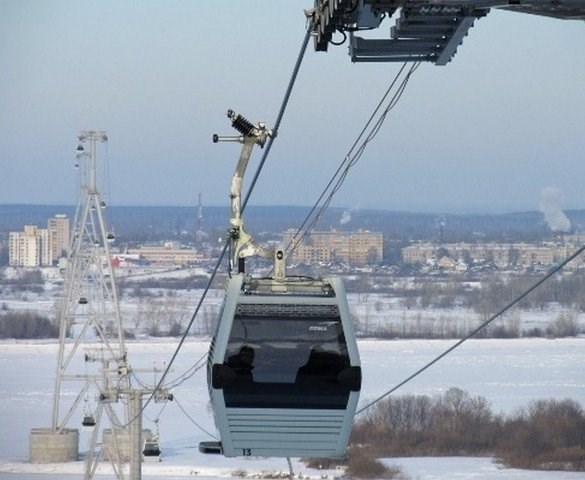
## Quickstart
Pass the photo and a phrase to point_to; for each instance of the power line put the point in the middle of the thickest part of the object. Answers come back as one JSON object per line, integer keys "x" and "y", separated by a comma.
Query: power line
{"x": 352, "y": 158}
{"x": 252, "y": 185}
{"x": 198, "y": 365}
{"x": 160, "y": 383}
{"x": 193, "y": 421}
{"x": 283, "y": 106}
{"x": 475, "y": 331}
{"x": 280, "y": 115}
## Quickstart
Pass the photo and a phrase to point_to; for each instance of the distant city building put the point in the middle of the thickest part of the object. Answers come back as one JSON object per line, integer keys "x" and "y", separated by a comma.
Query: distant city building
{"x": 169, "y": 254}
{"x": 502, "y": 255}
{"x": 58, "y": 228}
{"x": 39, "y": 247}
{"x": 29, "y": 248}
{"x": 360, "y": 247}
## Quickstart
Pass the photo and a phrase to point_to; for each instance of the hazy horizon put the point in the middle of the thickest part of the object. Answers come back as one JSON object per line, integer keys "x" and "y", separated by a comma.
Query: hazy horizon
{"x": 421, "y": 211}
{"x": 486, "y": 133}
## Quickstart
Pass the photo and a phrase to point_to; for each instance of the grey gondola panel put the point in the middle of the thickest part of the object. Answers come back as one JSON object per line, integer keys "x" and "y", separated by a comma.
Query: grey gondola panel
{"x": 300, "y": 397}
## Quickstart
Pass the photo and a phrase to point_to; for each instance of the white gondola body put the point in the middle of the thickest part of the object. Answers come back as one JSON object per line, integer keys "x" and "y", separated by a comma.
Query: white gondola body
{"x": 275, "y": 413}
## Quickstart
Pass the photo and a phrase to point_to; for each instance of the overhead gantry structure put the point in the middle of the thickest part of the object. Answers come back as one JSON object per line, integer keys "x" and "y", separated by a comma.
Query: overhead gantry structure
{"x": 423, "y": 31}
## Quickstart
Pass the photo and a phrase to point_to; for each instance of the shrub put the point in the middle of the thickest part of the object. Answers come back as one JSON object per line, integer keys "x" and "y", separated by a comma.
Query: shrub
{"x": 22, "y": 325}
{"x": 418, "y": 424}
{"x": 548, "y": 434}
{"x": 361, "y": 463}
{"x": 565, "y": 325}
{"x": 322, "y": 463}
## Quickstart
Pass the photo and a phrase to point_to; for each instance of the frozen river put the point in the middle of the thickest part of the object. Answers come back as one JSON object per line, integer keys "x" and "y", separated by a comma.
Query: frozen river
{"x": 509, "y": 373}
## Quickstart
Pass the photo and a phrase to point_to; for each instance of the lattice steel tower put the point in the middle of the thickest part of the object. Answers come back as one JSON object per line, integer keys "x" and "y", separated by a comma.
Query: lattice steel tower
{"x": 92, "y": 353}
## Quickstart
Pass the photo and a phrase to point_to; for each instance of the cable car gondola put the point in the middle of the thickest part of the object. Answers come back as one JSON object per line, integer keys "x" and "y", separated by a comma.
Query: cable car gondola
{"x": 283, "y": 369}
{"x": 151, "y": 450}
{"x": 88, "y": 420}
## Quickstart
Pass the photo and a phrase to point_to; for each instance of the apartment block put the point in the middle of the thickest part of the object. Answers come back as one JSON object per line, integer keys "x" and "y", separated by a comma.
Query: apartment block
{"x": 360, "y": 247}
{"x": 39, "y": 247}
{"x": 500, "y": 254}
{"x": 168, "y": 254}
{"x": 28, "y": 248}
{"x": 58, "y": 228}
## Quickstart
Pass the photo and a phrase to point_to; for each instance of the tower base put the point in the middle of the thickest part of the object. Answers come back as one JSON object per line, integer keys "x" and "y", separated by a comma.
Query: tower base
{"x": 121, "y": 444}
{"x": 47, "y": 446}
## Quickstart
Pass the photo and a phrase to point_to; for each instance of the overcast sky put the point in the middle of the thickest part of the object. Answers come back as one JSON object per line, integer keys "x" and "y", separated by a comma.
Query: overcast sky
{"x": 488, "y": 132}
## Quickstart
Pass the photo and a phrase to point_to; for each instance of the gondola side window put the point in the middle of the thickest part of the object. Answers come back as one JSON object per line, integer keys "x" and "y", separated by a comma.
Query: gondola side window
{"x": 291, "y": 362}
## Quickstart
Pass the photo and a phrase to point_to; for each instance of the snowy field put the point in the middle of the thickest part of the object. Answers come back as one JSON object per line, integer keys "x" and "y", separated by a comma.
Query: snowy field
{"x": 374, "y": 313}
{"x": 509, "y": 373}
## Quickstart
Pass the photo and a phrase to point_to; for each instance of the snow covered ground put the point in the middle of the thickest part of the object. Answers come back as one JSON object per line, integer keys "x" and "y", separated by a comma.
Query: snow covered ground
{"x": 509, "y": 373}
{"x": 375, "y": 314}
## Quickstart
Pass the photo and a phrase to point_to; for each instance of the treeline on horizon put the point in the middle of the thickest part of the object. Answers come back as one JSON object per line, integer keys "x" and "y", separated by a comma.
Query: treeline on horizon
{"x": 150, "y": 223}
{"x": 448, "y": 301}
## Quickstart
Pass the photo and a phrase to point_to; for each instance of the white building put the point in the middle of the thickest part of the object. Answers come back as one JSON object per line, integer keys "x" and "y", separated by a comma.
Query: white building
{"x": 39, "y": 247}
{"x": 26, "y": 247}
{"x": 360, "y": 247}
{"x": 171, "y": 253}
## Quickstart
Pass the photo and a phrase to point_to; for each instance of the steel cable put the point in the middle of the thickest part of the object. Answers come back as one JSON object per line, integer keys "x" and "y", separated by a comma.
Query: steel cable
{"x": 352, "y": 158}
{"x": 474, "y": 332}
{"x": 279, "y": 117}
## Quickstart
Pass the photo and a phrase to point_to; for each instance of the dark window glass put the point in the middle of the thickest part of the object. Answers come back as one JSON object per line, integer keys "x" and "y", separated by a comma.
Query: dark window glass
{"x": 286, "y": 362}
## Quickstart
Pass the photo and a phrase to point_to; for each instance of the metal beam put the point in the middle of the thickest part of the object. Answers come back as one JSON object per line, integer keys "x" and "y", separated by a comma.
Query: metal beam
{"x": 454, "y": 41}
{"x": 444, "y": 21}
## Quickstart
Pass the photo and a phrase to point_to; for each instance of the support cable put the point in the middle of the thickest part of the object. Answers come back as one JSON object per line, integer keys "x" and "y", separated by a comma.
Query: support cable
{"x": 352, "y": 158}
{"x": 198, "y": 365}
{"x": 193, "y": 421}
{"x": 283, "y": 106}
{"x": 160, "y": 383}
{"x": 280, "y": 115}
{"x": 546, "y": 277}
{"x": 157, "y": 417}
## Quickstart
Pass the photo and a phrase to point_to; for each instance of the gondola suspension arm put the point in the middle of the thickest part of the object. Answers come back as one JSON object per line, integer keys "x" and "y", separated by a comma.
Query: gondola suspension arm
{"x": 241, "y": 242}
